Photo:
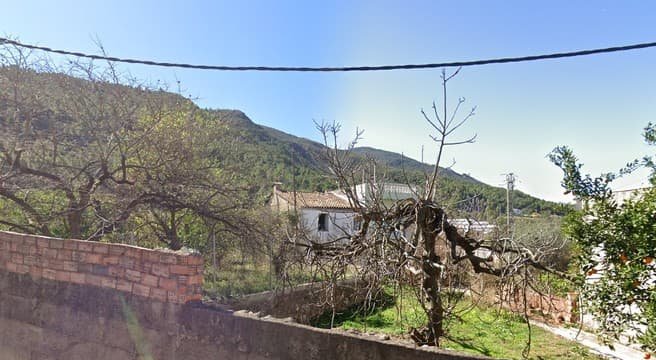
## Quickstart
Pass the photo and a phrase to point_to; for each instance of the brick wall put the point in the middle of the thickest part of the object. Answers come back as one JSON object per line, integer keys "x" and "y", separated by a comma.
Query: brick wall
{"x": 551, "y": 307}
{"x": 161, "y": 275}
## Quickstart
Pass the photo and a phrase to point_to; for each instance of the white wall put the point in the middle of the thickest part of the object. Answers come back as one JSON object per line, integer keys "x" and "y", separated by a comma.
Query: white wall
{"x": 340, "y": 223}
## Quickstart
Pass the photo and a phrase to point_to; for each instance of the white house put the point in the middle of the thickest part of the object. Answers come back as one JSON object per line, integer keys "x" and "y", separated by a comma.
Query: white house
{"x": 383, "y": 191}
{"x": 326, "y": 216}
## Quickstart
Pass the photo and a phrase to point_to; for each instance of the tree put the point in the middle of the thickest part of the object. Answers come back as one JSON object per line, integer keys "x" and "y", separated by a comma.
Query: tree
{"x": 411, "y": 242}
{"x": 617, "y": 247}
{"x": 87, "y": 152}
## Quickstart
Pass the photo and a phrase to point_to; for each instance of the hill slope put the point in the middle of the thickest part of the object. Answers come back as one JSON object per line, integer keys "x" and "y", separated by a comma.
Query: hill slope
{"x": 269, "y": 155}
{"x": 259, "y": 155}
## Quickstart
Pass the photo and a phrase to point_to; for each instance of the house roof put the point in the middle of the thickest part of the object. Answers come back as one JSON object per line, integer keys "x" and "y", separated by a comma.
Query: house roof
{"x": 317, "y": 200}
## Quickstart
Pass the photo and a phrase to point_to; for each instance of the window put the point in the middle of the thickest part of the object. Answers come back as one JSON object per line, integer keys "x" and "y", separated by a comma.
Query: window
{"x": 323, "y": 222}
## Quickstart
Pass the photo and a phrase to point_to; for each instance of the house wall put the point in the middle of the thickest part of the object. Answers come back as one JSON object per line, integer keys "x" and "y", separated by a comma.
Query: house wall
{"x": 339, "y": 224}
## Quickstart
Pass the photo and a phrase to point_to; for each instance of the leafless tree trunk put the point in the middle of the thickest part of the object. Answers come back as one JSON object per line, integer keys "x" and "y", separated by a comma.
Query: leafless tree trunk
{"x": 403, "y": 238}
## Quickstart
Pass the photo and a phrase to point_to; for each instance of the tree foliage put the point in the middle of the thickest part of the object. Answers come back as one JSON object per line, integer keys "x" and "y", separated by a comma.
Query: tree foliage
{"x": 617, "y": 247}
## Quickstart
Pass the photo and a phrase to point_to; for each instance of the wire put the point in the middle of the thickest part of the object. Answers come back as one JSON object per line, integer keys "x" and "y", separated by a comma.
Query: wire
{"x": 504, "y": 60}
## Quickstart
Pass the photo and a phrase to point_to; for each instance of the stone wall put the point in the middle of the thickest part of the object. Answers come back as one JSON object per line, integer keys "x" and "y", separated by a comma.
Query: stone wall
{"x": 164, "y": 276}
{"x": 549, "y": 307}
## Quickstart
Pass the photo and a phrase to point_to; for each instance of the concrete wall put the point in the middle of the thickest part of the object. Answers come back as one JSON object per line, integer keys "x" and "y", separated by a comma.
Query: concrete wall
{"x": 58, "y": 306}
{"x": 304, "y": 302}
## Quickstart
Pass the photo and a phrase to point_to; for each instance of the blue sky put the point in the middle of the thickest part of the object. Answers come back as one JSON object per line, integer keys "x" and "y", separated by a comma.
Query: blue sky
{"x": 597, "y": 105}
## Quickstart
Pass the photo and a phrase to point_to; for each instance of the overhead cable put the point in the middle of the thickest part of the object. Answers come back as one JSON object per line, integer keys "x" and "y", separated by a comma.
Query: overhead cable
{"x": 503, "y": 60}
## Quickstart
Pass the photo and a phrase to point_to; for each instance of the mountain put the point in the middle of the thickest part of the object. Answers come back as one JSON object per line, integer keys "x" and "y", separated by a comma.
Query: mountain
{"x": 270, "y": 155}
{"x": 259, "y": 155}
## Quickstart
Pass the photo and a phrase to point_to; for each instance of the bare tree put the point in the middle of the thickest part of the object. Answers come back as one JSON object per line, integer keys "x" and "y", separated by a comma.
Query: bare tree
{"x": 411, "y": 241}
{"x": 86, "y": 149}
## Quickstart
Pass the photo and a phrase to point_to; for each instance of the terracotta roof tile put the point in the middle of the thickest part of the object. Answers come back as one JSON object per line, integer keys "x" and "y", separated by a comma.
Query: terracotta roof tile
{"x": 315, "y": 200}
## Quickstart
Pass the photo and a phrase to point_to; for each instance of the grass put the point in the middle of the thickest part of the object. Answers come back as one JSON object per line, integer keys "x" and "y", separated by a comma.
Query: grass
{"x": 480, "y": 330}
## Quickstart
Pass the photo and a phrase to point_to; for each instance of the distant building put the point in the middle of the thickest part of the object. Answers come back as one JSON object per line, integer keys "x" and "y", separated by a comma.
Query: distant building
{"x": 326, "y": 216}
{"x": 620, "y": 196}
{"x": 366, "y": 192}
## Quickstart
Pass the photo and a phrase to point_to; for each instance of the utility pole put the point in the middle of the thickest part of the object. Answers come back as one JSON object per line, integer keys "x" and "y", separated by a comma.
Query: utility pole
{"x": 510, "y": 186}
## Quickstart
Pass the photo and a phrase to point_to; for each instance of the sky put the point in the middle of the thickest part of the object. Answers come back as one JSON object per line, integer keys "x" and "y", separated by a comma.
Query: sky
{"x": 597, "y": 105}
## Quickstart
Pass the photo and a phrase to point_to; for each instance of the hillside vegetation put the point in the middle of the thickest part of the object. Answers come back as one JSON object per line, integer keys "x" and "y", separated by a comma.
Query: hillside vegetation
{"x": 88, "y": 152}
{"x": 268, "y": 155}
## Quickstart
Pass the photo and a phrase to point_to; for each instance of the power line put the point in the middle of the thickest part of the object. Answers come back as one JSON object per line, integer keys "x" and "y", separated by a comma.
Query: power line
{"x": 504, "y": 60}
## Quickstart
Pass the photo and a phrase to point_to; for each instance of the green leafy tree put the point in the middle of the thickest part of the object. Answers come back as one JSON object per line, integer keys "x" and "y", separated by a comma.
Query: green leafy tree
{"x": 617, "y": 247}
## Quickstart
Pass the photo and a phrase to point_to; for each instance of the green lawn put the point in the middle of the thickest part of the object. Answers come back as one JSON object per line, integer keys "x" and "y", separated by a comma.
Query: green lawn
{"x": 481, "y": 330}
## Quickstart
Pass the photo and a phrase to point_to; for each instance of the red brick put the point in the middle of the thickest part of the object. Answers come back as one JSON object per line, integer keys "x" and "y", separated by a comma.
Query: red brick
{"x": 55, "y": 264}
{"x": 133, "y": 253}
{"x": 194, "y": 297}
{"x": 195, "y": 280}
{"x": 77, "y": 256}
{"x": 117, "y": 250}
{"x": 101, "y": 248}
{"x": 150, "y": 256}
{"x": 110, "y": 260}
{"x": 144, "y": 267}
{"x": 63, "y": 276}
{"x": 168, "y": 284}
{"x": 158, "y": 294}
{"x": 149, "y": 280}
{"x": 17, "y": 258}
{"x": 123, "y": 285}
{"x": 160, "y": 270}
{"x": 116, "y": 271}
{"x": 93, "y": 258}
{"x": 141, "y": 290}
{"x": 85, "y": 246}
{"x": 78, "y": 278}
{"x": 94, "y": 280}
{"x": 84, "y": 268}
{"x": 50, "y": 253}
{"x": 49, "y": 274}
{"x": 126, "y": 262}
{"x": 172, "y": 296}
{"x": 168, "y": 259}
{"x": 11, "y": 267}
{"x": 56, "y": 244}
{"x": 29, "y": 240}
{"x": 22, "y": 269}
{"x": 108, "y": 282}
{"x": 31, "y": 260}
{"x": 182, "y": 270}
{"x": 43, "y": 243}
{"x": 70, "y": 266}
{"x": 36, "y": 272}
{"x": 194, "y": 260}
{"x": 70, "y": 244}
{"x": 133, "y": 275}
{"x": 32, "y": 250}
{"x": 64, "y": 254}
